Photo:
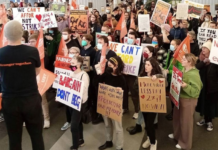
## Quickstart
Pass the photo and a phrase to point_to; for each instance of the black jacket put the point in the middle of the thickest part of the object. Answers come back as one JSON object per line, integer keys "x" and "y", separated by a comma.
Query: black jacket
{"x": 195, "y": 48}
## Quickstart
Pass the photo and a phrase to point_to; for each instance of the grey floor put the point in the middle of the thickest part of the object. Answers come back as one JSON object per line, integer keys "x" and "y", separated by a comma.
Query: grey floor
{"x": 94, "y": 135}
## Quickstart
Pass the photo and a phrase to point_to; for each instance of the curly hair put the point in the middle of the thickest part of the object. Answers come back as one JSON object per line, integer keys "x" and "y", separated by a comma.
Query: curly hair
{"x": 119, "y": 63}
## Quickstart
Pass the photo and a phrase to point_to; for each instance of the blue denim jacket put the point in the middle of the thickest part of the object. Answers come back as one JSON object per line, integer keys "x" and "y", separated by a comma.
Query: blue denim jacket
{"x": 178, "y": 33}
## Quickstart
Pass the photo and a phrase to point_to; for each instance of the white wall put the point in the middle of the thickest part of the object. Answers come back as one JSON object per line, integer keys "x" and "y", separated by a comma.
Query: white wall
{"x": 95, "y": 3}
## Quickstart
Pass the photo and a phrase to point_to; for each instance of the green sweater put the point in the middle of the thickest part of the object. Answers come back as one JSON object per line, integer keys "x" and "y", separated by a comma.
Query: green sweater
{"x": 194, "y": 84}
{"x": 53, "y": 45}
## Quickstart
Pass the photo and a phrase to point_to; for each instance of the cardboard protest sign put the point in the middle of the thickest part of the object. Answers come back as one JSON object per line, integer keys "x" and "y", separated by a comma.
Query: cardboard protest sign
{"x": 182, "y": 11}
{"x": 214, "y": 52}
{"x": 62, "y": 66}
{"x": 86, "y": 63}
{"x": 58, "y": 8}
{"x": 45, "y": 80}
{"x": 79, "y": 21}
{"x": 138, "y": 41}
{"x": 110, "y": 102}
{"x": 160, "y": 13}
{"x": 175, "y": 86}
{"x": 205, "y": 33}
{"x": 194, "y": 9}
{"x": 131, "y": 56}
{"x": 70, "y": 92}
{"x": 143, "y": 23}
{"x": 97, "y": 36}
{"x": 152, "y": 95}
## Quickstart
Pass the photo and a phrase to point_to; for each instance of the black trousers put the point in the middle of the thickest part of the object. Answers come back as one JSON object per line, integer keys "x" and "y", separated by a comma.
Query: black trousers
{"x": 24, "y": 109}
{"x": 149, "y": 125}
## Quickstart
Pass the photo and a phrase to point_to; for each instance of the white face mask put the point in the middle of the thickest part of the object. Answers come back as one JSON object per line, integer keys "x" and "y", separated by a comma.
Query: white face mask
{"x": 206, "y": 19}
{"x": 149, "y": 33}
{"x": 65, "y": 37}
{"x": 173, "y": 23}
{"x": 22, "y": 42}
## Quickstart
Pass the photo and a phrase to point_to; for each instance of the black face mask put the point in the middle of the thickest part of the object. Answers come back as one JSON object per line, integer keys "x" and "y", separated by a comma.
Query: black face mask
{"x": 73, "y": 68}
{"x": 109, "y": 70}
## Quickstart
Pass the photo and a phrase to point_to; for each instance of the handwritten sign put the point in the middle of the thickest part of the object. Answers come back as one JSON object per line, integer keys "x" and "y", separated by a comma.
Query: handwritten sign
{"x": 144, "y": 22}
{"x": 182, "y": 11}
{"x": 62, "y": 66}
{"x": 194, "y": 9}
{"x": 58, "y": 8}
{"x": 138, "y": 41}
{"x": 98, "y": 35}
{"x": 205, "y": 33}
{"x": 130, "y": 54}
{"x": 79, "y": 21}
{"x": 175, "y": 86}
{"x": 110, "y": 102}
{"x": 70, "y": 92}
{"x": 214, "y": 52}
{"x": 160, "y": 13}
{"x": 86, "y": 63}
{"x": 152, "y": 95}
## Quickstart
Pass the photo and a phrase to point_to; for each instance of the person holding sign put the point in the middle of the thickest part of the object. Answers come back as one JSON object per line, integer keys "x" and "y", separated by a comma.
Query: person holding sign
{"x": 183, "y": 117}
{"x": 113, "y": 77}
{"x": 76, "y": 116}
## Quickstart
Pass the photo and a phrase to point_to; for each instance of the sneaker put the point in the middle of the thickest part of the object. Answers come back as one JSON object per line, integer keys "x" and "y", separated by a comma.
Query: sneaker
{"x": 81, "y": 143}
{"x": 201, "y": 122}
{"x": 2, "y": 118}
{"x": 209, "y": 126}
{"x": 147, "y": 143}
{"x": 46, "y": 124}
{"x": 178, "y": 146}
{"x": 154, "y": 146}
{"x": 171, "y": 136}
{"x": 66, "y": 126}
{"x": 135, "y": 116}
{"x": 24, "y": 124}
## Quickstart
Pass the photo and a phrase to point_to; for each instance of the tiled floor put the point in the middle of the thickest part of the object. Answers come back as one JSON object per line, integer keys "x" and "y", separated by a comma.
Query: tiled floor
{"x": 95, "y": 134}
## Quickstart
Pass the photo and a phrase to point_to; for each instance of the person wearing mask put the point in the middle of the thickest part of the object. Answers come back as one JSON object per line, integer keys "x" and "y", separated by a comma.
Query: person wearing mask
{"x": 104, "y": 16}
{"x": 66, "y": 34}
{"x": 113, "y": 77}
{"x": 176, "y": 32}
{"x": 76, "y": 116}
{"x": 193, "y": 43}
{"x": 170, "y": 62}
{"x": 138, "y": 4}
{"x": 63, "y": 23}
{"x": 21, "y": 101}
{"x": 102, "y": 42}
{"x": 183, "y": 117}
{"x": 116, "y": 14}
{"x": 207, "y": 102}
{"x": 95, "y": 27}
{"x": 127, "y": 20}
{"x": 129, "y": 9}
{"x": 147, "y": 38}
{"x": 213, "y": 25}
{"x": 207, "y": 20}
{"x": 52, "y": 40}
{"x": 165, "y": 29}
{"x": 142, "y": 9}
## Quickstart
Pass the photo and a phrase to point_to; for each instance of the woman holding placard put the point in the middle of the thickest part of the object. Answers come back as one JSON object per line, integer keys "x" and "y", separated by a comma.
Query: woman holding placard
{"x": 191, "y": 86}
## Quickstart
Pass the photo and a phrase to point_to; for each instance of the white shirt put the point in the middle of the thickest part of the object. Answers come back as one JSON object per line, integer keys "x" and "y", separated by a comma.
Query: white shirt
{"x": 85, "y": 78}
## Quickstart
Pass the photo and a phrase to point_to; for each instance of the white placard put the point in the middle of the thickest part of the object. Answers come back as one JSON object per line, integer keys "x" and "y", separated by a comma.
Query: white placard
{"x": 144, "y": 22}
{"x": 214, "y": 52}
{"x": 182, "y": 11}
{"x": 205, "y": 33}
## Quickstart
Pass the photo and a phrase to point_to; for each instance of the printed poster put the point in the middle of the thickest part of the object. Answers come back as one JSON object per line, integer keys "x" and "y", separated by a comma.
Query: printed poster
{"x": 214, "y": 52}
{"x": 62, "y": 66}
{"x": 79, "y": 21}
{"x": 175, "y": 86}
{"x": 58, "y": 8}
{"x": 160, "y": 13}
{"x": 138, "y": 41}
{"x": 152, "y": 95}
{"x": 110, "y": 102}
{"x": 205, "y": 33}
{"x": 86, "y": 63}
{"x": 144, "y": 23}
{"x": 182, "y": 11}
{"x": 70, "y": 92}
{"x": 97, "y": 36}
{"x": 131, "y": 56}
{"x": 194, "y": 9}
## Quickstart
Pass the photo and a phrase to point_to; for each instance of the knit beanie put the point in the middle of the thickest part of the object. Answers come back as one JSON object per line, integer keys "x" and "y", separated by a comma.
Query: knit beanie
{"x": 208, "y": 45}
{"x": 13, "y": 31}
{"x": 166, "y": 27}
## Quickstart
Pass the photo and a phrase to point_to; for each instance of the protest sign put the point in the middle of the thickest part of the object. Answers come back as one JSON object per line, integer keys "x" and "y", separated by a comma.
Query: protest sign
{"x": 143, "y": 23}
{"x": 152, "y": 95}
{"x": 110, "y": 102}
{"x": 81, "y": 7}
{"x": 138, "y": 41}
{"x": 205, "y": 33}
{"x": 183, "y": 48}
{"x": 160, "y": 13}
{"x": 62, "y": 66}
{"x": 86, "y": 63}
{"x": 175, "y": 86}
{"x": 98, "y": 35}
{"x": 194, "y": 9}
{"x": 45, "y": 80}
{"x": 48, "y": 20}
{"x": 182, "y": 11}
{"x": 214, "y": 52}
{"x": 58, "y": 8}
{"x": 145, "y": 45}
{"x": 131, "y": 56}
{"x": 79, "y": 21}
{"x": 70, "y": 92}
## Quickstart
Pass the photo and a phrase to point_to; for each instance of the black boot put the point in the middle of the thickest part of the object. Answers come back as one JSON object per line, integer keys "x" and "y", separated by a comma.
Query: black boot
{"x": 108, "y": 144}
{"x": 98, "y": 120}
{"x": 170, "y": 116}
{"x": 137, "y": 129}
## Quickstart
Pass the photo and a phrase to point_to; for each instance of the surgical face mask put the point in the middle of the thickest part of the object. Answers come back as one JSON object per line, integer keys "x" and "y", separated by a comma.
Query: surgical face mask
{"x": 149, "y": 33}
{"x": 84, "y": 43}
{"x": 103, "y": 32}
{"x": 154, "y": 42}
{"x": 130, "y": 41}
{"x": 173, "y": 23}
{"x": 172, "y": 48}
{"x": 206, "y": 19}
{"x": 128, "y": 10}
{"x": 108, "y": 11}
{"x": 65, "y": 37}
{"x": 99, "y": 46}
{"x": 71, "y": 55}
{"x": 22, "y": 42}
{"x": 51, "y": 31}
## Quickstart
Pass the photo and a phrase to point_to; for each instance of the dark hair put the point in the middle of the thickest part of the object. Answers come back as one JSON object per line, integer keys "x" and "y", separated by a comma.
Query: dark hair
{"x": 25, "y": 36}
{"x": 80, "y": 59}
{"x": 213, "y": 22}
{"x": 155, "y": 68}
{"x": 159, "y": 40}
{"x": 55, "y": 30}
{"x": 105, "y": 39}
{"x": 152, "y": 50}
{"x": 177, "y": 41}
{"x": 133, "y": 33}
{"x": 33, "y": 36}
{"x": 96, "y": 18}
{"x": 88, "y": 37}
{"x": 120, "y": 65}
